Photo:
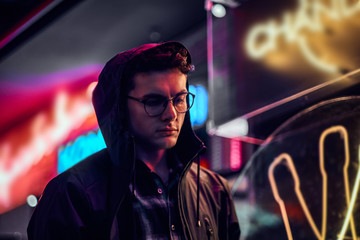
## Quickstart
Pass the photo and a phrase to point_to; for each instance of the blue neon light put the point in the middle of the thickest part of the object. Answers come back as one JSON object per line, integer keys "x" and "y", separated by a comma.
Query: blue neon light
{"x": 199, "y": 111}
{"x": 81, "y": 148}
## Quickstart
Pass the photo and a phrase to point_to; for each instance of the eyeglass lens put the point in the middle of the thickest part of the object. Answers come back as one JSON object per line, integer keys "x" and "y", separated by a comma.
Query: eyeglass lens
{"x": 156, "y": 105}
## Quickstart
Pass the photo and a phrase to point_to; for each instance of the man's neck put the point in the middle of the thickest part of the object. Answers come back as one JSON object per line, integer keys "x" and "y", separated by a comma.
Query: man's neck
{"x": 156, "y": 161}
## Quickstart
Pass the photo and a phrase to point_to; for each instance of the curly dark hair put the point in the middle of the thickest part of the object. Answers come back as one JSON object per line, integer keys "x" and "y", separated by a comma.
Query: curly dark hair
{"x": 160, "y": 58}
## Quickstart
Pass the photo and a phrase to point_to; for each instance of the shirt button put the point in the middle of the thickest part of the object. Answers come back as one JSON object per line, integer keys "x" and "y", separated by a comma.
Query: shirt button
{"x": 159, "y": 191}
{"x": 173, "y": 227}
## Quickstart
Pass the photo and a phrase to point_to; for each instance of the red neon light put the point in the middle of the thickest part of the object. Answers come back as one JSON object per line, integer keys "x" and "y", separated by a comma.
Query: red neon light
{"x": 28, "y": 151}
{"x": 235, "y": 154}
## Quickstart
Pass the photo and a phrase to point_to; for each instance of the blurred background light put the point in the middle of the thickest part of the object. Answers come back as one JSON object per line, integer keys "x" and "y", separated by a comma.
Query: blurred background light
{"x": 155, "y": 36}
{"x": 43, "y": 112}
{"x": 31, "y": 201}
{"x": 218, "y": 10}
{"x": 235, "y": 154}
{"x": 234, "y": 128}
{"x": 199, "y": 111}
{"x": 79, "y": 149}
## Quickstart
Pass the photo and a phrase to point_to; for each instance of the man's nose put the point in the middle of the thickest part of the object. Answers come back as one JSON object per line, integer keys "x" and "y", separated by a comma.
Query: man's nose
{"x": 170, "y": 112}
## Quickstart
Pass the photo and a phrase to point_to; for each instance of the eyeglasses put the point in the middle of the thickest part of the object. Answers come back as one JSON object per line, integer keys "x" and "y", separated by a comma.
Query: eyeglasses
{"x": 156, "y": 105}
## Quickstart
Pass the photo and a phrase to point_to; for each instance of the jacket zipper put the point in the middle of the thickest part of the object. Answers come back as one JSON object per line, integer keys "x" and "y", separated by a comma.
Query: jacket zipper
{"x": 187, "y": 167}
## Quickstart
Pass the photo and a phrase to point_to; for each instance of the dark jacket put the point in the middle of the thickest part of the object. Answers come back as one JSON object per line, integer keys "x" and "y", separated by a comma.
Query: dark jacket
{"x": 84, "y": 202}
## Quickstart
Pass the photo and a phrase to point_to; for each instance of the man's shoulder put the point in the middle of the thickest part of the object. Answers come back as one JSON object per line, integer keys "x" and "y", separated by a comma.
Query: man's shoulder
{"x": 208, "y": 176}
{"x": 87, "y": 172}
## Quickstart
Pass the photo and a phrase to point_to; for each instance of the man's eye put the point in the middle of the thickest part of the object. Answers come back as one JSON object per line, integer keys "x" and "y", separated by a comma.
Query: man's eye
{"x": 154, "y": 101}
{"x": 180, "y": 99}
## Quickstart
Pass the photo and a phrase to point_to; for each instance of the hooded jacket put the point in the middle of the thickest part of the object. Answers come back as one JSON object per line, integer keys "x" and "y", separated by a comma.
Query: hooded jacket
{"x": 85, "y": 201}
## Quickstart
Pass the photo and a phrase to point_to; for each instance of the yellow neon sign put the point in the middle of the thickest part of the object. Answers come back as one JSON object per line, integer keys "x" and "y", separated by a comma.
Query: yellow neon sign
{"x": 344, "y": 136}
{"x": 291, "y": 166}
{"x": 351, "y": 204}
{"x": 350, "y": 201}
{"x": 262, "y": 38}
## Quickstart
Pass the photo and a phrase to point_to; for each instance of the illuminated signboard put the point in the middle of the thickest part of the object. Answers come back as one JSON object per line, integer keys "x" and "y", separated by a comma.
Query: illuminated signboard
{"x": 78, "y": 150}
{"x": 47, "y": 113}
{"x": 350, "y": 201}
{"x": 298, "y": 27}
{"x": 308, "y": 175}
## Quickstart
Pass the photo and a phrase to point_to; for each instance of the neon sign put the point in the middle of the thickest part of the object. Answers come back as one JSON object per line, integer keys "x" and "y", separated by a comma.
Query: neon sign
{"x": 262, "y": 38}
{"x": 349, "y": 200}
{"x": 235, "y": 154}
{"x": 24, "y": 147}
{"x": 199, "y": 111}
{"x": 79, "y": 149}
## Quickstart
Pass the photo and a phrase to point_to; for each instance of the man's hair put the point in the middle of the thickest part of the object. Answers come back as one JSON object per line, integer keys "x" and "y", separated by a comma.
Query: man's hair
{"x": 160, "y": 58}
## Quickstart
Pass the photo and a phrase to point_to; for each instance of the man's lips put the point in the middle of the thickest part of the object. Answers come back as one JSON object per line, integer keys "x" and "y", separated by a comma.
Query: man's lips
{"x": 167, "y": 131}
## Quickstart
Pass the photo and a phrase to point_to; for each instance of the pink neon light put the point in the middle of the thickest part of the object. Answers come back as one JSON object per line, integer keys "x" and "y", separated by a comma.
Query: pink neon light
{"x": 26, "y": 95}
{"x": 235, "y": 154}
{"x": 28, "y": 150}
{"x": 251, "y": 140}
{"x": 208, "y": 5}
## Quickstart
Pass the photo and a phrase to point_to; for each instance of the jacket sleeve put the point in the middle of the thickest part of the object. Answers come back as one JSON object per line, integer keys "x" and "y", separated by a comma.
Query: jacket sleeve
{"x": 62, "y": 213}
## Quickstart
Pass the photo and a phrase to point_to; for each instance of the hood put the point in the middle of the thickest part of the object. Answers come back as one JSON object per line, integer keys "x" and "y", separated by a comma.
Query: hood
{"x": 109, "y": 100}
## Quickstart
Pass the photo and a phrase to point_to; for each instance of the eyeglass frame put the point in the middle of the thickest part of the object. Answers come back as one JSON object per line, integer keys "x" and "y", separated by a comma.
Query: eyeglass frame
{"x": 143, "y": 101}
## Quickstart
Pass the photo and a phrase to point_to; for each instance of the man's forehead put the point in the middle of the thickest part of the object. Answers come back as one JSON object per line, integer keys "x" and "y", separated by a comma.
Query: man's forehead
{"x": 160, "y": 80}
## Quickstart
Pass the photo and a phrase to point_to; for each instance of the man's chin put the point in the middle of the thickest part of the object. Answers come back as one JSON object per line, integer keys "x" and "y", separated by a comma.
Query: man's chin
{"x": 167, "y": 143}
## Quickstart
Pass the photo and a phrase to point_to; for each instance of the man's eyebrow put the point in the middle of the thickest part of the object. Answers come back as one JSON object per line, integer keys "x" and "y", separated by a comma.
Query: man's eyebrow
{"x": 181, "y": 92}
{"x": 149, "y": 95}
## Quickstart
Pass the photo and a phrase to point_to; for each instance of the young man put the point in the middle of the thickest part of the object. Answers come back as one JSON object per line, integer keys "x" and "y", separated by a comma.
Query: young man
{"x": 146, "y": 184}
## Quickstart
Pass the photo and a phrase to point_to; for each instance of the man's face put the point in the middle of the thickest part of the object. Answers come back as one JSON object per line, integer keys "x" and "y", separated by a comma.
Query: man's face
{"x": 160, "y": 132}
